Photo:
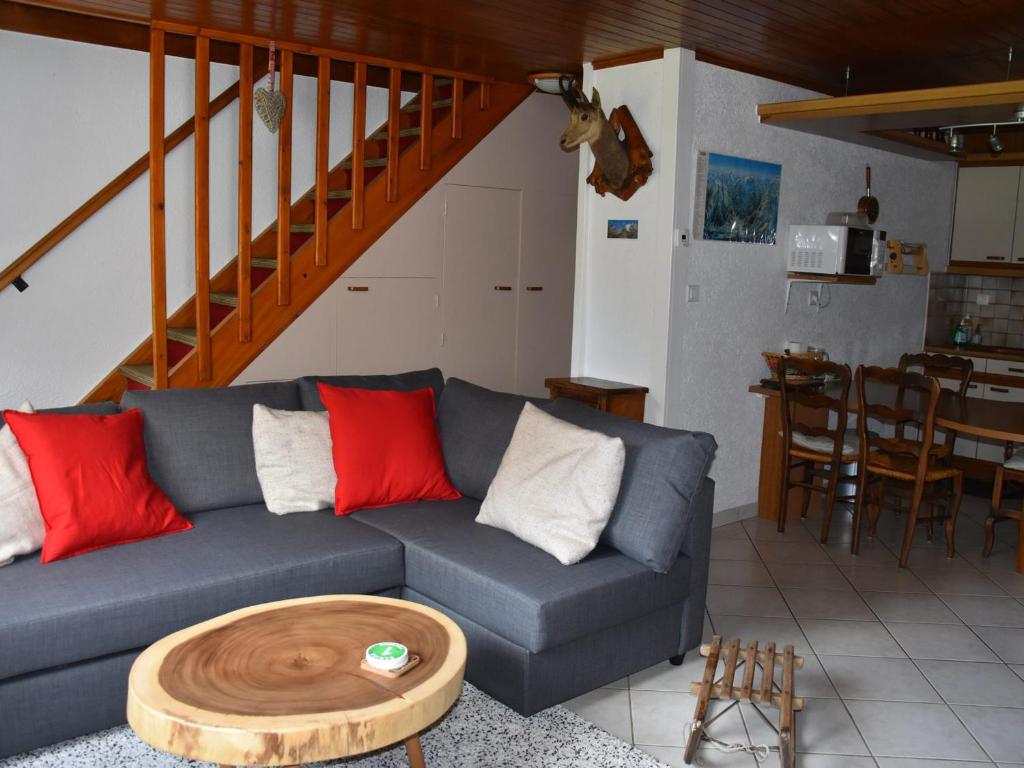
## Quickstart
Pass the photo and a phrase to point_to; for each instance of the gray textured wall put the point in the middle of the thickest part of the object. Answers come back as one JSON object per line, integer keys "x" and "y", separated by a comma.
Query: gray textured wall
{"x": 716, "y": 344}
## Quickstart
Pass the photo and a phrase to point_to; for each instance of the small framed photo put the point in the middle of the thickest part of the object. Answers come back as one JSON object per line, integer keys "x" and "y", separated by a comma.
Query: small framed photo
{"x": 623, "y": 229}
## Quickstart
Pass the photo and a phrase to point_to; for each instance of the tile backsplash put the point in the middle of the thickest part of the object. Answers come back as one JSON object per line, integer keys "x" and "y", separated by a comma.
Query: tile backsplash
{"x": 953, "y": 296}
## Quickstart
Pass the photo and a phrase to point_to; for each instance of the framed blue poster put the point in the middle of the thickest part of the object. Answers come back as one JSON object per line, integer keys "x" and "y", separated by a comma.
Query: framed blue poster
{"x": 736, "y": 199}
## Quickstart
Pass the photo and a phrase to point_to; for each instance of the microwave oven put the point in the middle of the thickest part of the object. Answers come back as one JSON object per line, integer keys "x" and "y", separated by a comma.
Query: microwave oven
{"x": 831, "y": 249}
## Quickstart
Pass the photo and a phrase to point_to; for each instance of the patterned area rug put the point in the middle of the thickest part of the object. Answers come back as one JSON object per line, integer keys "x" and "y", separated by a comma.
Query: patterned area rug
{"x": 478, "y": 732}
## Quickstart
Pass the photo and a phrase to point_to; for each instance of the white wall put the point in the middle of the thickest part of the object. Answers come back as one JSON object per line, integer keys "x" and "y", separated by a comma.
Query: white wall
{"x": 717, "y": 342}
{"x": 520, "y": 154}
{"x": 621, "y": 323}
{"x": 75, "y": 116}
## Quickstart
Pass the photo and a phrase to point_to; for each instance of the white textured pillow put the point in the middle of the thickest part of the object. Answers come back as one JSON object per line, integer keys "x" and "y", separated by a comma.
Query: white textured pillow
{"x": 21, "y": 522}
{"x": 556, "y": 485}
{"x": 293, "y": 459}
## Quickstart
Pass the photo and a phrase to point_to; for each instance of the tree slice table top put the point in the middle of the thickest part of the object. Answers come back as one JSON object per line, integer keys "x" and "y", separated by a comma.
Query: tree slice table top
{"x": 281, "y": 683}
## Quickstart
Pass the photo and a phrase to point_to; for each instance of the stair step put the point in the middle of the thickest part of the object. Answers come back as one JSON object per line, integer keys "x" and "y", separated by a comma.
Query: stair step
{"x": 183, "y": 335}
{"x": 382, "y": 135}
{"x": 373, "y": 162}
{"x": 143, "y": 374}
{"x": 333, "y": 194}
{"x": 441, "y": 82}
{"x": 302, "y": 229}
{"x": 436, "y": 105}
{"x": 225, "y": 299}
{"x": 263, "y": 263}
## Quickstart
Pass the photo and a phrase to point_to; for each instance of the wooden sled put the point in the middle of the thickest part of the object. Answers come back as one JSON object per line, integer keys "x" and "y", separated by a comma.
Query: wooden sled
{"x": 764, "y": 692}
{"x": 640, "y": 165}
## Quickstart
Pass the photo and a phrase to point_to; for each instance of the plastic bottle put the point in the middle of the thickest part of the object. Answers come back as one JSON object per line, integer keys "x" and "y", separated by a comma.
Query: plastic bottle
{"x": 976, "y": 338}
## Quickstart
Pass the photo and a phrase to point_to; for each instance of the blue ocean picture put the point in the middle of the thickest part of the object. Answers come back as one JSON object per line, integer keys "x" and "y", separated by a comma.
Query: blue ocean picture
{"x": 742, "y": 201}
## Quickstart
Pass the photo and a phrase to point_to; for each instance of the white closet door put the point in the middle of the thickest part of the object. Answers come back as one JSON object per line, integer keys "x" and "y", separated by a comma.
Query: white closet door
{"x": 480, "y": 268}
{"x": 986, "y": 205}
{"x": 387, "y": 325}
{"x": 547, "y": 270}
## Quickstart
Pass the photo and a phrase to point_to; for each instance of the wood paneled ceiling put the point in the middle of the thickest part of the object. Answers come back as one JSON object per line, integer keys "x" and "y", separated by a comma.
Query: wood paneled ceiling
{"x": 896, "y": 44}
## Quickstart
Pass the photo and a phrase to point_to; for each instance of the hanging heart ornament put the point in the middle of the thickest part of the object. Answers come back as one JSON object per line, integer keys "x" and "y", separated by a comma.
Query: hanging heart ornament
{"x": 270, "y": 104}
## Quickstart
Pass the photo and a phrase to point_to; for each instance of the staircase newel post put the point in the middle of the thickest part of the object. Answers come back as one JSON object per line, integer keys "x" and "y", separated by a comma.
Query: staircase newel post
{"x": 358, "y": 143}
{"x": 202, "y": 217}
{"x": 157, "y": 229}
{"x": 245, "y": 97}
{"x": 284, "y": 186}
{"x": 323, "y": 139}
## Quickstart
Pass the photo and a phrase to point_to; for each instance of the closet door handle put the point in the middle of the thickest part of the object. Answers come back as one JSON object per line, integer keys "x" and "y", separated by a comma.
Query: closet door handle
{"x": 998, "y": 389}
{"x": 1015, "y": 370}
{"x": 503, "y": 287}
{"x": 995, "y": 258}
{"x": 535, "y": 287}
{"x": 359, "y": 288}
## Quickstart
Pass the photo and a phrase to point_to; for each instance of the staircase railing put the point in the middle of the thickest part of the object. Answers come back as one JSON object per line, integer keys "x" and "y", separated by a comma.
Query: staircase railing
{"x": 118, "y": 184}
{"x": 283, "y": 254}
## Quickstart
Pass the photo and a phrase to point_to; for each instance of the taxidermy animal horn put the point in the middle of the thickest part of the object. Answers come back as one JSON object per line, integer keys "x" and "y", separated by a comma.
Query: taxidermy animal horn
{"x": 569, "y": 90}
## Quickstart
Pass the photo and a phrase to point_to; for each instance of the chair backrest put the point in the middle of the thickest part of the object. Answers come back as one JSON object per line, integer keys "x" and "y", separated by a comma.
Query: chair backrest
{"x": 834, "y": 396}
{"x": 898, "y": 398}
{"x": 957, "y": 369}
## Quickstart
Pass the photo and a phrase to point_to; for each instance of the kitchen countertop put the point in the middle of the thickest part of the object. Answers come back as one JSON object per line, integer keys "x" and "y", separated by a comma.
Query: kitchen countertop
{"x": 996, "y": 353}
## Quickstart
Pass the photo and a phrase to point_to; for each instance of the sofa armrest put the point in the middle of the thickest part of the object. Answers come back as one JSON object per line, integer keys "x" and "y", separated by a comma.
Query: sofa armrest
{"x": 697, "y": 547}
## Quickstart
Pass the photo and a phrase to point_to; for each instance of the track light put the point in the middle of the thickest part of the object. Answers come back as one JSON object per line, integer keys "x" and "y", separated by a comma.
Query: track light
{"x": 955, "y": 141}
{"x": 994, "y": 143}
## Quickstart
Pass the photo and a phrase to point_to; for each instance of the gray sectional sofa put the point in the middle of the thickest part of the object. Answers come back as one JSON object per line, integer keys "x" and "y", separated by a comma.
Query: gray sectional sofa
{"x": 538, "y": 632}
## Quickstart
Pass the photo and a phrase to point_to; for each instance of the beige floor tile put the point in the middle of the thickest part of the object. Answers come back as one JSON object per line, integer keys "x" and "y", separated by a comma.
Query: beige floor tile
{"x": 863, "y": 677}
{"x": 850, "y": 638}
{"x": 827, "y": 604}
{"x": 975, "y": 683}
{"x": 606, "y": 708}
{"x": 940, "y": 641}
{"x": 746, "y": 601}
{"x": 893, "y": 729}
{"x": 739, "y": 573}
{"x": 910, "y": 606}
{"x": 1000, "y": 731}
{"x": 824, "y": 726}
{"x": 809, "y": 576}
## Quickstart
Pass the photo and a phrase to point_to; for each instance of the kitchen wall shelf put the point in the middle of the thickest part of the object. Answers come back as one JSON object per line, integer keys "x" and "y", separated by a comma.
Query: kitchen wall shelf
{"x": 811, "y": 277}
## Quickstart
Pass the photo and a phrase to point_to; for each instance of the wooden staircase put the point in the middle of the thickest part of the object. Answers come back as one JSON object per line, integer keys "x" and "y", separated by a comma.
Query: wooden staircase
{"x": 241, "y": 309}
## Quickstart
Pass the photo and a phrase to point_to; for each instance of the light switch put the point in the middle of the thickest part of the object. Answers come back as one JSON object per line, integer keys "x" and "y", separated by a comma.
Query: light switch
{"x": 693, "y": 293}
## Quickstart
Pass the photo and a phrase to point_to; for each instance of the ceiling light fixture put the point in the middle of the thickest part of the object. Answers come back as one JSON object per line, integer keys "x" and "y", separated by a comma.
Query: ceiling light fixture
{"x": 994, "y": 143}
{"x": 955, "y": 141}
{"x": 548, "y": 82}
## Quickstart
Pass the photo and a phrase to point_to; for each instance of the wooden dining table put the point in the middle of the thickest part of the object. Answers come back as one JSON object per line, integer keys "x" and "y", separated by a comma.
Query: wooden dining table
{"x": 992, "y": 419}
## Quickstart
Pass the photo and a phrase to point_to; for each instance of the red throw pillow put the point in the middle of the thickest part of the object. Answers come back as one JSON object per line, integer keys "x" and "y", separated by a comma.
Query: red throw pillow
{"x": 385, "y": 446}
{"x": 92, "y": 482}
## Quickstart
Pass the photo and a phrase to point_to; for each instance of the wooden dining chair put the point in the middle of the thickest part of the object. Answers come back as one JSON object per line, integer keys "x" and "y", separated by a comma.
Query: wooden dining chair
{"x": 808, "y": 442}
{"x": 956, "y": 370}
{"x": 899, "y": 398}
{"x": 1011, "y": 470}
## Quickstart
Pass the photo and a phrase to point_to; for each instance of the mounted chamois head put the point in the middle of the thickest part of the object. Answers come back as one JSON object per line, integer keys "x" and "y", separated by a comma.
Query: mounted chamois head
{"x": 587, "y": 123}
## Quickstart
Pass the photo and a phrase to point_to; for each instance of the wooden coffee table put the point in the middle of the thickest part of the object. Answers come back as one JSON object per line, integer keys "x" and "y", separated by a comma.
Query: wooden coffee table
{"x": 281, "y": 683}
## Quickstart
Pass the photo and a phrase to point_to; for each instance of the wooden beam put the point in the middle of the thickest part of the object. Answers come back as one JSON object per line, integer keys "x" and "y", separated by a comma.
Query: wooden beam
{"x": 202, "y": 216}
{"x": 633, "y": 57}
{"x": 457, "y": 108}
{"x": 1009, "y": 92}
{"x": 394, "y": 128}
{"x": 323, "y": 138}
{"x": 284, "y": 186}
{"x": 245, "y": 193}
{"x": 358, "y": 145}
{"x": 157, "y": 223}
{"x": 426, "y": 119}
{"x": 111, "y": 190}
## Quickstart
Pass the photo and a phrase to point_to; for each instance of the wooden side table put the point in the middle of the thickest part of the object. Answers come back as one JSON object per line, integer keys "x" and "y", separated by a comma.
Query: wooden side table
{"x": 610, "y": 396}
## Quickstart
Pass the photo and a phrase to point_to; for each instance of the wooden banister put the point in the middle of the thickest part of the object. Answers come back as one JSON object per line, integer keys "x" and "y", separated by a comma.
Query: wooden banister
{"x": 202, "y": 216}
{"x": 394, "y": 131}
{"x": 358, "y": 143}
{"x": 323, "y": 143}
{"x": 284, "y": 187}
{"x": 245, "y": 194}
{"x": 118, "y": 184}
{"x": 457, "y": 108}
{"x": 157, "y": 236}
{"x": 426, "y": 120}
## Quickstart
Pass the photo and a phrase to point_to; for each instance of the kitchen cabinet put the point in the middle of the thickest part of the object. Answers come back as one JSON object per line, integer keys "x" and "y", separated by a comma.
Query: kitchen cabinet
{"x": 1018, "y": 233}
{"x": 986, "y": 216}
